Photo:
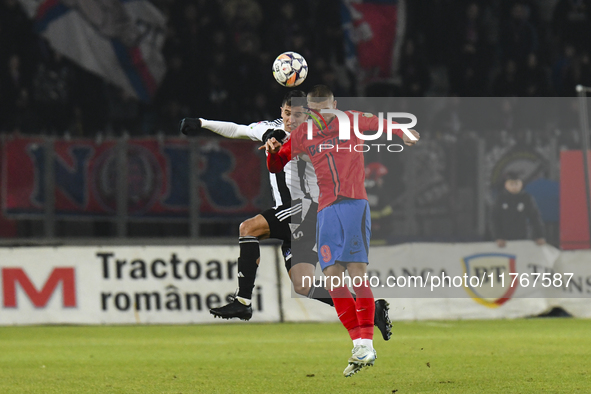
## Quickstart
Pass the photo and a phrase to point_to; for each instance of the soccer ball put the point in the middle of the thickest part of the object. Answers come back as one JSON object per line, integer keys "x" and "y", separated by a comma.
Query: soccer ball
{"x": 290, "y": 69}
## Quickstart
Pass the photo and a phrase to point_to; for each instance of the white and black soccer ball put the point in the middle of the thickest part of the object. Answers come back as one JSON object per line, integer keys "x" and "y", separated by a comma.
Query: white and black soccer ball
{"x": 290, "y": 69}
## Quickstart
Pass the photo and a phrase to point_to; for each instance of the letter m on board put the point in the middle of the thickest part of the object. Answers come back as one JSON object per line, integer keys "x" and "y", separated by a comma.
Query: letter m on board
{"x": 39, "y": 298}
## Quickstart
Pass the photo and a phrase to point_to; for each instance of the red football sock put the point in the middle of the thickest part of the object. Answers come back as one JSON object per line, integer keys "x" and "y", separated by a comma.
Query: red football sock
{"x": 344, "y": 304}
{"x": 366, "y": 308}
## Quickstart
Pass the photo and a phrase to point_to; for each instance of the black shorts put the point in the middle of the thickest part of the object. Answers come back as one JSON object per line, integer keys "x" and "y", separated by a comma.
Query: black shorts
{"x": 303, "y": 238}
{"x": 279, "y": 219}
{"x": 282, "y": 219}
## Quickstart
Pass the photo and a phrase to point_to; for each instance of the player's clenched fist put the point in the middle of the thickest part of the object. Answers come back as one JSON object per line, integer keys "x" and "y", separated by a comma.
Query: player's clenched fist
{"x": 408, "y": 141}
{"x": 272, "y": 145}
{"x": 190, "y": 125}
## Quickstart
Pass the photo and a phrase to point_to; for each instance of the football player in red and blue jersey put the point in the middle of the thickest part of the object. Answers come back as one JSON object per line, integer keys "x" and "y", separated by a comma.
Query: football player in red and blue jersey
{"x": 344, "y": 225}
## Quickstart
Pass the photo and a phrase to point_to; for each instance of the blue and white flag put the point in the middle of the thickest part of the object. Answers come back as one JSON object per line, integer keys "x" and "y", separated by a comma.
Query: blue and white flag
{"x": 119, "y": 40}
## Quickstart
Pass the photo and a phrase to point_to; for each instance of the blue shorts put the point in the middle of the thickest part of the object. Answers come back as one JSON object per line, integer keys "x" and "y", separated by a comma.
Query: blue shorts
{"x": 343, "y": 231}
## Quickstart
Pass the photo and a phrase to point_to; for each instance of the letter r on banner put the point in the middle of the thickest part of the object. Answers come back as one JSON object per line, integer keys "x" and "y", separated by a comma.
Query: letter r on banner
{"x": 10, "y": 277}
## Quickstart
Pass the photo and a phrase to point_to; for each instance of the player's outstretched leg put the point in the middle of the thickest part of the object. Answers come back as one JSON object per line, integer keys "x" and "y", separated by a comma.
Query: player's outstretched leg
{"x": 382, "y": 320}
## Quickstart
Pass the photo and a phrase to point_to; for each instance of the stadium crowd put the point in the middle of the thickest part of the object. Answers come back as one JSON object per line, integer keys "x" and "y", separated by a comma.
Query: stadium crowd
{"x": 219, "y": 53}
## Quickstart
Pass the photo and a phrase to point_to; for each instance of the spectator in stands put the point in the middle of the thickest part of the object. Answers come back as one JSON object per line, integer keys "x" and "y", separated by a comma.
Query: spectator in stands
{"x": 518, "y": 35}
{"x": 508, "y": 83}
{"x": 91, "y": 110}
{"x": 177, "y": 80}
{"x": 572, "y": 22}
{"x": 258, "y": 108}
{"x": 123, "y": 111}
{"x": 330, "y": 77}
{"x": 16, "y": 34}
{"x": 583, "y": 69}
{"x": 380, "y": 202}
{"x": 470, "y": 59}
{"x": 535, "y": 77}
{"x": 51, "y": 93}
{"x": 15, "y": 101}
{"x": 242, "y": 16}
{"x": 563, "y": 72}
{"x": 413, "y": 70}
{"x": 436, "y": 19}
{"x": 282, "y": 28}
{"x": 325, "y": 39}
{"x": 514, "y": 212}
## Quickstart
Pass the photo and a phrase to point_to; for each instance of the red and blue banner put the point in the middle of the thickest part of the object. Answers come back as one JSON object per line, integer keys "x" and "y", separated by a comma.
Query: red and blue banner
{"x": 158, "y": 178}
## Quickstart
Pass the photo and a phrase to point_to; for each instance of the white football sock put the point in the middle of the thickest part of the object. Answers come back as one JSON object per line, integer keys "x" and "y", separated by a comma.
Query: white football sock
{"x": 356, "y": 342}
{"x": 366, "y": 342}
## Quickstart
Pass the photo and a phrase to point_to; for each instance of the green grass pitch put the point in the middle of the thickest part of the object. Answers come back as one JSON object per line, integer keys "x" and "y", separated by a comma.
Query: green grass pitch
{"x": 501, "y": 356}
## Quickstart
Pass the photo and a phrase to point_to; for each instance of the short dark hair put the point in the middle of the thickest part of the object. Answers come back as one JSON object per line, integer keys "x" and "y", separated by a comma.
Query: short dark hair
{"x": 320, "y": 93}
{"x": 291, "y": 94}
{"x": 511, "y": 176}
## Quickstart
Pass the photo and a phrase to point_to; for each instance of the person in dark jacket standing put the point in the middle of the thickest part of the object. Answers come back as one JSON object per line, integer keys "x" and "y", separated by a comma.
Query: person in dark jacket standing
{"x": 514, "y": 211}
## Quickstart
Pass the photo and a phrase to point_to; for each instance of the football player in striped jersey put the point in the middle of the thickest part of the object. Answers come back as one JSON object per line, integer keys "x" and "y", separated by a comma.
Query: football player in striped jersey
{"x": 292, "y": 203}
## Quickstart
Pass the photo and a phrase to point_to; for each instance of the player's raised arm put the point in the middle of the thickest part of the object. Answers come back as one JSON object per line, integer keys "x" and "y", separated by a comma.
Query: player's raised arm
{"x": 370, "y": 122}
{"x": 260, "y": 131}
{"x": 190, "y": 126}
